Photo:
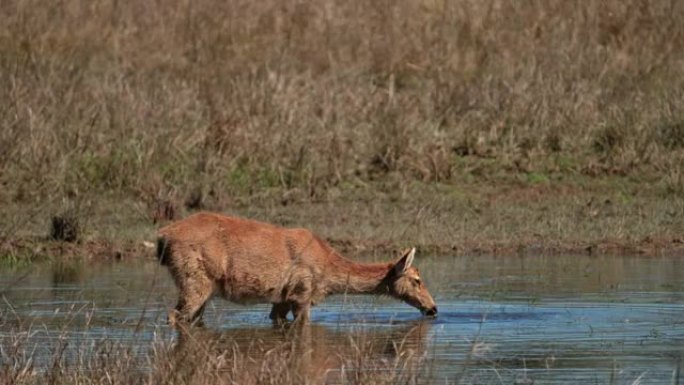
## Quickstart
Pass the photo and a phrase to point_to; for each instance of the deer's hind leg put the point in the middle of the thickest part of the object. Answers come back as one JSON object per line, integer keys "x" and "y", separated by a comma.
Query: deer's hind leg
{"x": 194, "y": 292}
{"x": 301, "y": 311}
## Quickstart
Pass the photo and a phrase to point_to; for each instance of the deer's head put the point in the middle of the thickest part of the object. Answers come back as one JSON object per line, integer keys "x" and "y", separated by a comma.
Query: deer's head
{"x": 404, "y": 283}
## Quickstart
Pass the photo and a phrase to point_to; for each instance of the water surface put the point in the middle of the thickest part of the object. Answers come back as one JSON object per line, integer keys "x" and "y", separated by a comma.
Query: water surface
{"x": 501, "y": 320}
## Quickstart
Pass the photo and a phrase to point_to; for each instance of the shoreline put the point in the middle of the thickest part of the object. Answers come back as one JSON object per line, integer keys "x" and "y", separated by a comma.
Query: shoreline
{"x": 39, "y": 249}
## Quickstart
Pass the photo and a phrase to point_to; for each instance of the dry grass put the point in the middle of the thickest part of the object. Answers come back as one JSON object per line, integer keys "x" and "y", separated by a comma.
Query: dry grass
{"x": 308, "y": 355}
{"x": 209, "y": 104}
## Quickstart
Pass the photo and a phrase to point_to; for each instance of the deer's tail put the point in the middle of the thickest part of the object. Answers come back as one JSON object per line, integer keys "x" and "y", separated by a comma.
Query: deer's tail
{"x": 163, "y": 251}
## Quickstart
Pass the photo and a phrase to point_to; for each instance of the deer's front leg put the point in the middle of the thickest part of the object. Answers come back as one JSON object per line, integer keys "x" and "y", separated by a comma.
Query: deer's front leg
{"x": 301, "y": 312}
{"x": 279, "y": 312}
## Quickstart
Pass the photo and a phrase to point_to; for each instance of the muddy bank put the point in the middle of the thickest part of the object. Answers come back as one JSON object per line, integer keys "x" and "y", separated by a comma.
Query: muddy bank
{"x": 34, "y": 249}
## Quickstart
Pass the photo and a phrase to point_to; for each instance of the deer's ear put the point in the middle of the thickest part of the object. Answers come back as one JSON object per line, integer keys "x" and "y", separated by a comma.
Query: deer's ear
{"x": 405, "y": 261}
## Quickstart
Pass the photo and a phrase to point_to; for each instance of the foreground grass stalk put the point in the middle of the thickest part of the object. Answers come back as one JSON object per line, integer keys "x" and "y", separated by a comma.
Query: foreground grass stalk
{"x": 201, "y": 356}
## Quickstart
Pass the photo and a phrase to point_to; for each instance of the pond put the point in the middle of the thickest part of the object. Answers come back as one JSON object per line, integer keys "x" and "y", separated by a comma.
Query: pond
{"x": 528, "y": 319}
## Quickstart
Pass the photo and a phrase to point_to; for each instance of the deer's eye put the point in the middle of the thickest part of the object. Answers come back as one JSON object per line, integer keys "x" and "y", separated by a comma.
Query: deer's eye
{"x": 416, "y": 281}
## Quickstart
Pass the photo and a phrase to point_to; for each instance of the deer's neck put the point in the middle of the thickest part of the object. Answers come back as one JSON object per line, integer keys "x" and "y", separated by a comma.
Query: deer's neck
{"x": 350, "y": 277}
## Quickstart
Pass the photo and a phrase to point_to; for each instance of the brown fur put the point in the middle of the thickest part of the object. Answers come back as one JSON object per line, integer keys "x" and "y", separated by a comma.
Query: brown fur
{"x": 246, "y": 261}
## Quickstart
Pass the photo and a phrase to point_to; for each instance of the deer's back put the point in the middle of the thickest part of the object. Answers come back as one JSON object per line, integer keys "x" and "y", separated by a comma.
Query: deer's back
{"x": 247, "y": 259}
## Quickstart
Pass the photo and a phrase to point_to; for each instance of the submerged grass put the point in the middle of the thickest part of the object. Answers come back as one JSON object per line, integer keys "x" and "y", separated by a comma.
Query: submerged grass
{"x": 181, "y": 106}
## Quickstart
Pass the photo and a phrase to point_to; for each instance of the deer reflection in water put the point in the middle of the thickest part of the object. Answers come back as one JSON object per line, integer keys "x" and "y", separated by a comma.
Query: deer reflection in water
{"x": 299, "y": 355}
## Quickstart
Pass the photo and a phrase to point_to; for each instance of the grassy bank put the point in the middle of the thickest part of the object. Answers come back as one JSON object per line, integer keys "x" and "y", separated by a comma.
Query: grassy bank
{"x": 459, "y": 125}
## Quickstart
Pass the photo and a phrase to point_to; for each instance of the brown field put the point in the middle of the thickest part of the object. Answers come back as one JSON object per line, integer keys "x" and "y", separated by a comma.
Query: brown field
{"x": 457, "y": 126}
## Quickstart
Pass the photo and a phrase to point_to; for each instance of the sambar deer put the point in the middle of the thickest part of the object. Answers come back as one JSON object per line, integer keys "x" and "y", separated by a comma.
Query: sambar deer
{"x": 245, "y": 261}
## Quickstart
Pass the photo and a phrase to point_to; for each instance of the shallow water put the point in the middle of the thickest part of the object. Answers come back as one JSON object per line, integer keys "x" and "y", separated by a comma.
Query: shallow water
{"x": 527, "y": 319}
